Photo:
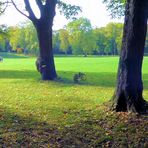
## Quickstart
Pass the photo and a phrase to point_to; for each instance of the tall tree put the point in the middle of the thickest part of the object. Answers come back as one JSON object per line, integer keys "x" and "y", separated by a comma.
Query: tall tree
{"x": 79, "y": 31}
{"x": 43, "y": 25}
{"x": 64, "y": 42}
{"x": 128, "y": 94}
{"x": 3, "y": 37}
{"x": 113, "y": 33}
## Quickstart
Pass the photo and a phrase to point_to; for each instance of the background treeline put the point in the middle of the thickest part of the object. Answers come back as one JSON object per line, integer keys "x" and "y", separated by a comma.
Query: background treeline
{"x": 78, "y": 38}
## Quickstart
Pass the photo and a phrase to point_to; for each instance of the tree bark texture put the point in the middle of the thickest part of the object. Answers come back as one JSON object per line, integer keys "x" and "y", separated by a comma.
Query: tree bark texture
{"x": 128, "y": 94}
{"x": 45, "y": 61}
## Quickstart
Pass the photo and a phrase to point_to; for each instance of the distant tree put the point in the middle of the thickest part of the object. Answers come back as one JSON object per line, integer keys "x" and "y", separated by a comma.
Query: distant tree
{"x": 108, "y": 38}
{"x": 128, "y": 94}
{"x": 24, "y": 36}
{"x": 79, "y": 32}
{"x": 100, "y": 38}
{"x": 64, "y": 40}
{"x": 8, "y": 47}
{"x": 3, "y": 36}
{"x": 30, "y": 39}
{"x": 56, "y": 42}
{"x": 88, "y": 43}
{"x": 113, "y": 32}
{"x": 43, "y": 27}
{"x": 17, "y": 37}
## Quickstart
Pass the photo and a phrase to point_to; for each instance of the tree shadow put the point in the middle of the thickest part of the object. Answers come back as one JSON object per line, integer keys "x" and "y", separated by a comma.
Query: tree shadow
{"x": 16, "y": 131}
{"x": 89, "y": 131}
{"x": 102, "y": 79}
{"x": 18, "y": 74}
{"x": 12, "y": 55}
{"x": 92, "y": 79}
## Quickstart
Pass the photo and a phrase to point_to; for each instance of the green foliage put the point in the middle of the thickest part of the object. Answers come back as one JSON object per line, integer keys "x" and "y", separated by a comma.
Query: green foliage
{"x": 3, "y": 36}
{"x": 56, "y": 42}
{"x": 69, "y": 11}
{"x": 78, "y": 38}
{"x": 101, "y": 40}
{"x": 17, "y": 36}
{"x": 31, "y": 39}
{"x": 24, "y": 37}
{"x": 108, "y": 39}
{"x": 115, "y": 7}
{"x": 88, "y": 43}
{"x": 64, "y": 41}
{"x": 81, "y": 38}
{"x": 114, "y": 34}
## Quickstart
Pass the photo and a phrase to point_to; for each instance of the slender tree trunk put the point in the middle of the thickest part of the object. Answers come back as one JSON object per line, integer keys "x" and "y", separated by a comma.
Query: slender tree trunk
{"x": 45, "y": 61}
{"x": 128, "y": 94}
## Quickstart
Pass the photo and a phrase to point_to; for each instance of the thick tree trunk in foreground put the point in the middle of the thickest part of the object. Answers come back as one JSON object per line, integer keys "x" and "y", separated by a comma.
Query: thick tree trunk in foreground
{"x": 128, "y": 95}
{"x": 45, "y": 62}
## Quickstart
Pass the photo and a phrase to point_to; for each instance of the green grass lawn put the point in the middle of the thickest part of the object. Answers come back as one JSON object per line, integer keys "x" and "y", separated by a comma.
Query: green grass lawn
{"x": 34, "y": 113}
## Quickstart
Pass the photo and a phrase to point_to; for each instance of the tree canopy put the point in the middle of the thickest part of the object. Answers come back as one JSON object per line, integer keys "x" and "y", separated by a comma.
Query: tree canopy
{"x": 115, "y": 7}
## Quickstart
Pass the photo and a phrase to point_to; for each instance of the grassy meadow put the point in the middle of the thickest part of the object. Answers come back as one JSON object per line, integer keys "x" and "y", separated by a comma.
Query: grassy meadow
{"x": 34, "y": 113}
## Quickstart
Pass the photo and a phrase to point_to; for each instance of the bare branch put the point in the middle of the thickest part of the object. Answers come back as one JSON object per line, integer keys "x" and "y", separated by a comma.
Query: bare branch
{"x": 4, "y": 3}
{"x": 19, "y": 9}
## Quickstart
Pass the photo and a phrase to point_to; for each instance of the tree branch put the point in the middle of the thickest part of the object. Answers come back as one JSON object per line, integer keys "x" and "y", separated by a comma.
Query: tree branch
{"x": 19, "y": 10}
{"x": 40, "y": 6}
{"x": 4, "y": 3}
{"x": 32, "y": 16}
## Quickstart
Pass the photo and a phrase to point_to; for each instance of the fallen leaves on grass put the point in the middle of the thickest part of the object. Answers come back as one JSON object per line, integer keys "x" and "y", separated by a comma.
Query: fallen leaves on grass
{"x": 98, "y": 127}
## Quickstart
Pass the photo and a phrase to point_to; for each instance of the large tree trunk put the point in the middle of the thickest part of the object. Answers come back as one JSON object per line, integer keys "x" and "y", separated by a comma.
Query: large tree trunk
{"x": 45, "y": 62}
{"x": 128, "y": 95}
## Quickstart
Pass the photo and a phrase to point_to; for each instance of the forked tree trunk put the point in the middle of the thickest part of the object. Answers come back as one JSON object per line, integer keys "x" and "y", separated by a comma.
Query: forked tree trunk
{"x": 128, "y": 94}
{"x": 45, "y": 61}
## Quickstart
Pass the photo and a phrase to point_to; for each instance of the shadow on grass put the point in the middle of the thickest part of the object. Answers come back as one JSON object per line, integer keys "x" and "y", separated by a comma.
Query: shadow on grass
{"x": 107, "y": 129}
{"x": 103, "y": 79}
{"x": 16, "y": 74}
{"x": 24, "y": 131}
{"x": 93, "y": 79}
{"x": 11, "y": 55}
